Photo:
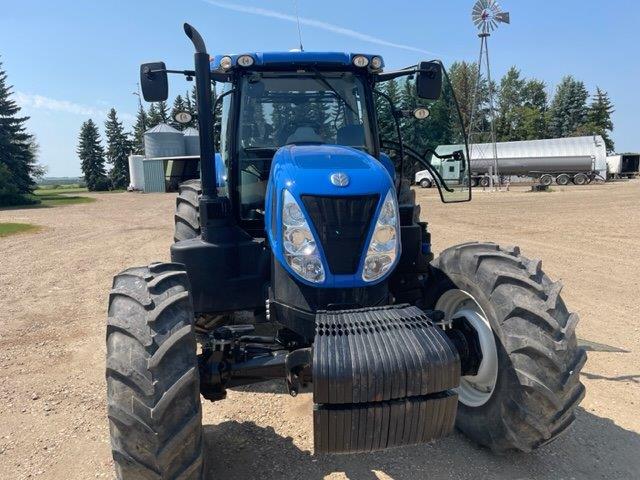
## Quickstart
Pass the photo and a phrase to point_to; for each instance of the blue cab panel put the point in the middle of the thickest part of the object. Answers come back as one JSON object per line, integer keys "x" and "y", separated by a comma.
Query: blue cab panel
{"x": 307, "y": 170}
{"x": 284, "y": 59}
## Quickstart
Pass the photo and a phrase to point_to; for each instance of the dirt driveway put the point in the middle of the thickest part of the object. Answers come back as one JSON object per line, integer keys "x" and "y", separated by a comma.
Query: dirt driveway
{"x": 54, "y": 286}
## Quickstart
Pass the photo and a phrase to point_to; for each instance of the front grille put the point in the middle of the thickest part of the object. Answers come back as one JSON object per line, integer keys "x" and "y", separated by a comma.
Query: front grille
{"x": 342, "y": 224}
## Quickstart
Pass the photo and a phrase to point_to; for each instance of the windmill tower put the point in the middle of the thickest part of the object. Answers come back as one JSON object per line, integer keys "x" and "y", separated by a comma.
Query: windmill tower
{"x": 486, "y": 16}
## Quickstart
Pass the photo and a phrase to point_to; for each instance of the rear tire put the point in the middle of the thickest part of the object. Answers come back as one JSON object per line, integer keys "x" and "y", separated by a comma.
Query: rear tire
{"x": 580, "y": 179}
{"x": 187, "y": 216}
{"x": 485, "y": 182}
{"x": 425, "y": 183}
{"x": 563, "y": 179}
{"x": 546, "y": 180}
{"x": 536, "y": 388}
{"x": 153, "y": 384}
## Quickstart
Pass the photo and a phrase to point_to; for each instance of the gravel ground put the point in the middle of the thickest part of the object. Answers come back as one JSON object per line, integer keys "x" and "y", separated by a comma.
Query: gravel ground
{"x": 54, "y": 286}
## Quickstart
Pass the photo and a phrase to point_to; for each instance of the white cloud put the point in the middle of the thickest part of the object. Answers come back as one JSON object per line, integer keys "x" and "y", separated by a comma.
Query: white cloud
{"x": 45, "y": 103}
{"x": 263, "y": 12}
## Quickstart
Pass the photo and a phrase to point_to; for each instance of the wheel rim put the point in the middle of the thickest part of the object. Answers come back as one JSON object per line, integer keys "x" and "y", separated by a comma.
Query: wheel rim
{"x": 474, "y": 390}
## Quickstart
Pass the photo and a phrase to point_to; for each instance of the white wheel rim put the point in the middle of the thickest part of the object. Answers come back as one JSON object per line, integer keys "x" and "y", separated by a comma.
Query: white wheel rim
{"x": 474, "y": 390}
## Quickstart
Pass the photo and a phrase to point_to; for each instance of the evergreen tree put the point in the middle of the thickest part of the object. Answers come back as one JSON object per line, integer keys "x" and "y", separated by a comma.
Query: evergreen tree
{"x": 599, "y": 118}
{"x": 463, "y": 77}
{"x": 153, "y": 116}
{"x": 163, "y": 111}
{"x": 510, "y": 107}
{"x": 179, "y": 105}
{"x": 91, "y": 156}
{"x": 158, "y": 113}
{"x": 569, "y": 110}
{"x": 119, "y": 147}
{"x": 535, "y": 110}
{"x": 17, "y": 147}
{"x": 386, "y": 123}
{"x": 141, "y": 126}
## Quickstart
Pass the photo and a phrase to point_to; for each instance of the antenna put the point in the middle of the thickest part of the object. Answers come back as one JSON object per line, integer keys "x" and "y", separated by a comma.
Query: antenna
{"x": 486, "y": 16}
{"x": 298, "y": 21}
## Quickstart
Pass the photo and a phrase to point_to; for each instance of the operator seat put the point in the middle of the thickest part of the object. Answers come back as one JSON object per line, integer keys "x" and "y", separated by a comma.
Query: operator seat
{"x": 304, "y": 135}
{"x": 351, "y": 135}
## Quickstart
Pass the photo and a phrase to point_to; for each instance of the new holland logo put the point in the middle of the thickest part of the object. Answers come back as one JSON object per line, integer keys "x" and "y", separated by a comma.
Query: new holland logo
{"x": 340, "y": 179}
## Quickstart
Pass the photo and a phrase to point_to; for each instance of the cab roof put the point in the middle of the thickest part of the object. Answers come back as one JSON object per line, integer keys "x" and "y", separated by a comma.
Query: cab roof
{"x": 295, "y": 58}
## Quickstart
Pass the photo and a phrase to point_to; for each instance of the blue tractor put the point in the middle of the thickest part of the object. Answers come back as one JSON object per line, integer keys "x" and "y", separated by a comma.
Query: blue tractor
{"x": 300, "y": 255}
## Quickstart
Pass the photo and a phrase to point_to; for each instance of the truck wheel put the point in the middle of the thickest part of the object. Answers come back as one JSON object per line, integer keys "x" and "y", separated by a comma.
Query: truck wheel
{"x": 546, "y": 180}
{"x": 425, "y": 183}
{"x": 474, "y": 182}
{"x": 528, "y": 383}
{"x": 485, "y": 181}
{"x": 563, "y": 179}
{"x": 580, "y": 179}
{"x": 187, "y": 216}
{"x": 153, "y": 384}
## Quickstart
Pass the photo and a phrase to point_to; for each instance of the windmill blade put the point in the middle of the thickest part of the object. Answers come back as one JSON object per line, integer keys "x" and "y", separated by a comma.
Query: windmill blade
{"x": 503, "y": 17}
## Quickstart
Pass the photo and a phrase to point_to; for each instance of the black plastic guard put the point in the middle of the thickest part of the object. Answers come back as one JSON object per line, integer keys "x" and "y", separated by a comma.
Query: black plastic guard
{"x": 382, "y": 377}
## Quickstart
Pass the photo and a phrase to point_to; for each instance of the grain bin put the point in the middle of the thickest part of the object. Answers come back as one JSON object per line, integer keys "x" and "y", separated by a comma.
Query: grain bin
{"x": 136, "y": 172}
{"x": 163, "y": 141}
{"x": 191, "y": 141}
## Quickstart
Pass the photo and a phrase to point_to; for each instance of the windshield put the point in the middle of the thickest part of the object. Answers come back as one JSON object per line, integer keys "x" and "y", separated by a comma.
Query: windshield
{"x": 279, "y": 109}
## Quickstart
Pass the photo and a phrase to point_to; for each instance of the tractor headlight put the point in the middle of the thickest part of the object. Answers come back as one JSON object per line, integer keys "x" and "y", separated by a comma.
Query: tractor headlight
{"x": 383, "y": 247}
{"x": 245, "y": 60}
{"x": 226, "y": 63}
{"x": 299, "y": 246}
{"x": 360, "y": 61}
{"x": 376, "y": 63}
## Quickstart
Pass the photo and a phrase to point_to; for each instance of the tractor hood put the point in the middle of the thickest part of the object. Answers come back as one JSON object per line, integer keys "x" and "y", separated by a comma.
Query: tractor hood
{"x": 340, "y": 191}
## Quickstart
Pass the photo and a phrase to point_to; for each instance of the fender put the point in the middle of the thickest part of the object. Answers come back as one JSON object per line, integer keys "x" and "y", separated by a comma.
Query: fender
{"x": 306, "y": 170}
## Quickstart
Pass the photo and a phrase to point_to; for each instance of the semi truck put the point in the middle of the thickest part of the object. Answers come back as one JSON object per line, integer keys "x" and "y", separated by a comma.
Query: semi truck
{"x": 577, "y": 160}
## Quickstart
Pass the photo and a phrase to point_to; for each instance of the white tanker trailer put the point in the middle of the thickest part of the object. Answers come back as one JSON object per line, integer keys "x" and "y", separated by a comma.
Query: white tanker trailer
{"x": 576, "y": 159}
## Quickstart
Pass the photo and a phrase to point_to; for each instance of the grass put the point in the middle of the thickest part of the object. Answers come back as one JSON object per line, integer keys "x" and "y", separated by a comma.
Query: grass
{"x": 7, "y": 229}
{"x": 55, "y": 197}
{"x": 57, "y": 200}
{"x": 58, "y": 191}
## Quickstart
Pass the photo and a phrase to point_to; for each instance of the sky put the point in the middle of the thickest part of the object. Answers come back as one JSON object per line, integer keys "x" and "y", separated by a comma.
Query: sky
{"x": 73, "y": 60}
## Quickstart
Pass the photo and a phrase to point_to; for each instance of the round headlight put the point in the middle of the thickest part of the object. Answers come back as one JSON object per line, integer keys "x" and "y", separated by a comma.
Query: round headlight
{"x": 225, "y": 63}
{"x": 376, "y": 63}
{"x": 421, "y": 113}
{"x": 245, "y": 60}
{"x": 360, "y": 61}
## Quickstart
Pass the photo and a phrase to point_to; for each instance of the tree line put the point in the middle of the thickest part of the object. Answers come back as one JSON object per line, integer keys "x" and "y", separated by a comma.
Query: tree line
{"x": 120, "y": 143}
{"x": 522, "y": 108}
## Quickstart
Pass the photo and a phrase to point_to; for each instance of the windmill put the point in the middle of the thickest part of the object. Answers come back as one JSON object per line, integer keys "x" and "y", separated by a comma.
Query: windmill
{"x": 487, "y": 16}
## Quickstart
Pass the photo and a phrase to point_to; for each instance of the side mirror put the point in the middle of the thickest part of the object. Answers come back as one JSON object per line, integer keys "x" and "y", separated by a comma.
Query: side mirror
{"x": 429, "y": 80}
{"x": 153, "y": 81}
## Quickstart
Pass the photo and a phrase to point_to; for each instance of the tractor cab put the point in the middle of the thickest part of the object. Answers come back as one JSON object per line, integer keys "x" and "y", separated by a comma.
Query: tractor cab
{"x": 281, "y": 99}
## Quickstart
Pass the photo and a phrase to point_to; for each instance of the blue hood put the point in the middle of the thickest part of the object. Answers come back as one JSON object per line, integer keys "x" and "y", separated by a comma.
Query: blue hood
{"x": 307, "y": 170}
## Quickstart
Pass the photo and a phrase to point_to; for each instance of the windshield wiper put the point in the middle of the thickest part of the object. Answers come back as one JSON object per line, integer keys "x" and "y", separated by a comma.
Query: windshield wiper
{"x": 326, "y": 83}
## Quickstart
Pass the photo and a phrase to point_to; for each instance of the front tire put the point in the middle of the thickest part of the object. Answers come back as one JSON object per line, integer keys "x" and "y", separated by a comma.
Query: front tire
{"x": 153, "y": 384}
{"x": 425, "y": 183}
{"x": 536, "y": 383}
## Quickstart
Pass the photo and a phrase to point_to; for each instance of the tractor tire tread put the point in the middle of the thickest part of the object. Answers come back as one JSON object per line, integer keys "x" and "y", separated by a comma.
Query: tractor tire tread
{"x": 152, "y": 376}
{"x": 537, "y": 334}
{"x": 187, "y": 214}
